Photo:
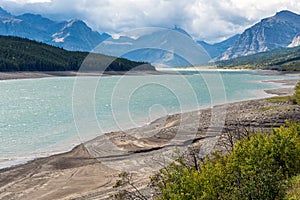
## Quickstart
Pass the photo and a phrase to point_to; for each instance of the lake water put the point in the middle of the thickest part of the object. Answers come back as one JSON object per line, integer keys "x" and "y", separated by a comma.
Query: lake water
{"x": 39, "y": 117}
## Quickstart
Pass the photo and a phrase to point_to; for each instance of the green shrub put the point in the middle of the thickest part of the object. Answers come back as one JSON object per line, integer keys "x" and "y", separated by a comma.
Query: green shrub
{"x": 180, "y": 182}
{"x": 296, "y": 96}
{"x": 257, "y": 168}
{"x": 293, "y": 191}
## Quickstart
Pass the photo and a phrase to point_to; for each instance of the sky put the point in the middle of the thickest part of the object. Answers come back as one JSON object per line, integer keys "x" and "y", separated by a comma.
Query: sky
{"x": 209, "y": 20}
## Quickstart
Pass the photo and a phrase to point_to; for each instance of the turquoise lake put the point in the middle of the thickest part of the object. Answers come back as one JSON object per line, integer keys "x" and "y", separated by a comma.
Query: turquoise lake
{"x": 40, "y": 117}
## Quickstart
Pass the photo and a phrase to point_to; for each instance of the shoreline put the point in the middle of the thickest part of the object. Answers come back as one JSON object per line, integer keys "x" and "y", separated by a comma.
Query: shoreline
{"x": 159, "y": 71}
{"x": 48, "y": 74}
{"x": 267, "y": 93}
{"x": 19, "y": 162}
{"x": 92, "y": 168}
{"x": 209, "y": 69}
{"x": 287, "y": 87}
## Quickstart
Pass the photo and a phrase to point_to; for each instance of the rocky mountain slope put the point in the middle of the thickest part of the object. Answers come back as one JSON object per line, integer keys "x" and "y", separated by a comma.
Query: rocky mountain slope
{"x": 270, "y": 33}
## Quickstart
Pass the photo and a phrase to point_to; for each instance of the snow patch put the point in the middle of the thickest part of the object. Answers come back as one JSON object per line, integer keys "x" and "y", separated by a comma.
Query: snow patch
{"x": 59, "y": 37}
{"x": 295, "y": 42}
{"x": 68, "y": 25}
{"x": 12, "y": 20}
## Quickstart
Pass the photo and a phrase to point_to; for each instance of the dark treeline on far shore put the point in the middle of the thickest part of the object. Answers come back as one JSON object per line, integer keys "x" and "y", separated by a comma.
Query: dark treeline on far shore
{"x": 19, "y": 54}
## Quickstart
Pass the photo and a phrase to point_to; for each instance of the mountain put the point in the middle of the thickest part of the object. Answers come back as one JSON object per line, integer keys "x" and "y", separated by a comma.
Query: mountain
{"x": 217, "y": 49}
{"x": 270, "y": 33}
{"x": 4, "y": 13}
{"x": 27, "y": 26}
{"x": 76, "y": 35}
{"x": 180, "y": 30}
{"x": 18, "y": 54}
{"x": 284, "y": 59}
{"x": 70, "y": 35}
{"x": 158, "y": 46}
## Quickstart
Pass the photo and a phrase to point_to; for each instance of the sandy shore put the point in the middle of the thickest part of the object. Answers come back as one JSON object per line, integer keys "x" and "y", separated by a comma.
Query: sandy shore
{"x": 29, "y": 75}
{"x": 91, "y": 169}
{"x": 213, "y": 68}
{"x": 288, "y": 87}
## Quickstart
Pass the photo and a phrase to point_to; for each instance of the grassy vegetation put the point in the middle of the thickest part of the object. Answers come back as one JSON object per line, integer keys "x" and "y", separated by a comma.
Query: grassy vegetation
{"x": 282, "y": 59}
{"x": 295, "y": 98}
{"x": 18, "y": 54}
{"x": 257, "y": 168}
{"x": 278, "y": 99}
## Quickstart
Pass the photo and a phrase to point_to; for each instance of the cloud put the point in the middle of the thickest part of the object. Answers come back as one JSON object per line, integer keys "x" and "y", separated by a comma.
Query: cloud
{"x": 29, "y": 1}
{"x": 211, "y": 20}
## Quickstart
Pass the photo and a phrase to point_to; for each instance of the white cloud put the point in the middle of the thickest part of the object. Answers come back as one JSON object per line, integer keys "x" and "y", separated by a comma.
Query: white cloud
{"x": 30, "y": 1}
{"x": 211, "y": 20}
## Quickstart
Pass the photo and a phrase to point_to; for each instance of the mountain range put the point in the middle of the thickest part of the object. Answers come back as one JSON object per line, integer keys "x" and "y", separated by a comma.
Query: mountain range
{"x": 159, "y": 46}
{"x": 71, "y": 35}
{"x": 280, "y": 30}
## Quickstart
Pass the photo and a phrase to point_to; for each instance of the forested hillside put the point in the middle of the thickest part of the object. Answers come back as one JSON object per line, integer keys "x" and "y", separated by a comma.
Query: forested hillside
{"x": 18, "y": 54}
{"x": 283, "y": 59}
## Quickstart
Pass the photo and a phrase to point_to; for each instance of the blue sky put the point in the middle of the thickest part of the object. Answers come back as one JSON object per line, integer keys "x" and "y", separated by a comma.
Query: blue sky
{"x": 210, "y": 20}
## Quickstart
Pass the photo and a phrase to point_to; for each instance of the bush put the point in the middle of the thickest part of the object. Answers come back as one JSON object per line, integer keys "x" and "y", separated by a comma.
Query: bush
{"x": 257, "y": 168}
{"x": 296, "y": 96}
{"x": 293, "y": 191}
